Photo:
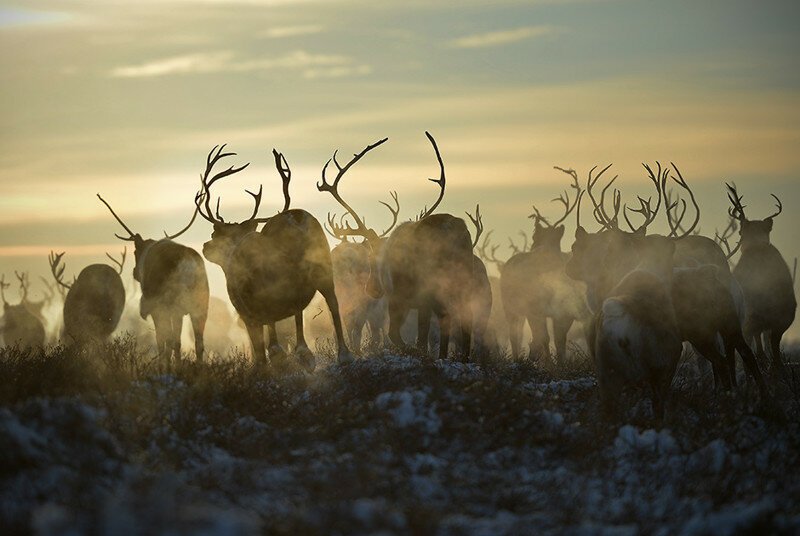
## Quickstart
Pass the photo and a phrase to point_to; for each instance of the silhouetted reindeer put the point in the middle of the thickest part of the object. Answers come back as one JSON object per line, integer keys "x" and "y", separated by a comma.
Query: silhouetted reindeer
{"x": 698, "y": 323}
{"x": 94, "y": 300}
{"x": 351, "y": 269}
{"x": 425, "y": 265}
{"x": 20, "y": 325}
{"x": 535, "y": 286}
{"x": 173, "y": 281}
{"x": 637, "y": 338}
{"x": 272, "y": 274}
{"x": 765, "y": 279}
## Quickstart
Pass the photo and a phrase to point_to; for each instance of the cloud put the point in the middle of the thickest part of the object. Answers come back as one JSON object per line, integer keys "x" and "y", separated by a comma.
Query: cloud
{"x": 338, "y": 72}
{"x": 224, "y": 61}
{"x": 24, "y": 17}
{"x": 502, "y": 37}
{"x": 279, "y": 32}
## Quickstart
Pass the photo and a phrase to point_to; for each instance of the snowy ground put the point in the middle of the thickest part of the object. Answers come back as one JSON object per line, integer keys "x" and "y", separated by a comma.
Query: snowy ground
{"x": 388, "y": 444}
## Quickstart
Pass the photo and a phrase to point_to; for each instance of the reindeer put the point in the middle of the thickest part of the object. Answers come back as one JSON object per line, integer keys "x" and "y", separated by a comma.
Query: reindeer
{"x": 534, "y": 286}
{"x": 173, "y": 283}
{"x": 274, "y": 273}
{"x": 637, "y": 338}
{"x": 94, "y": 300}
{"x": 765, "y": 279}
{"x": 351, "y": 268}
{"x": 20, "y": 325}
{"x": 698, "y": 323}
{"x": 497, "y": 330}
{"x": 425, "y": 264}
{"x": 481, "y": 291}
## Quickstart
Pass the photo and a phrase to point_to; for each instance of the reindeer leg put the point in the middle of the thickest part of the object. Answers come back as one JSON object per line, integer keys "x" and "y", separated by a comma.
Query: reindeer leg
{"x": 445, "y": 323}
{"x": 398, "y": 310}
{"x": 708, "y": 349}
{"x": 255, "y": 331}
{"x": 304, "y": 356}
{"x": 515, "y": 324}
{"x": 561, "y": 327}
{"x": 177, "y": 326}
{"x": 163, "y": 328}
{"x": 775, "y": 337}
{"x": 424, "y": 315}
{"x": 277, "y": 356}
{"x": 344, "y": 356}
{"x": 198, "y": 327}
{"x": 749, "y": 359}
{"x": 540, "y": 340}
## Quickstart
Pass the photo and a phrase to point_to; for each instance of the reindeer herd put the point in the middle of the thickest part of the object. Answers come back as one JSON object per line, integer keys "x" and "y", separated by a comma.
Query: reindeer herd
{"x": 637, "y": 296}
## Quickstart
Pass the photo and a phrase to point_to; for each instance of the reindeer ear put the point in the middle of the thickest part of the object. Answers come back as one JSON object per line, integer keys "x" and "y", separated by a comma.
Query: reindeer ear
{"x": 641, "y": 231}
{"x": 768, "y": 221}
{"x": 251, "y": 225}
{"x": 580, "y": 233}
{"x": 537, "y": 226}
{"x": 560, "y": 231}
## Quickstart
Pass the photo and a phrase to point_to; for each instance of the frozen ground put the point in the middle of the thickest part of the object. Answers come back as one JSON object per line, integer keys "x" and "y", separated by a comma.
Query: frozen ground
{"x": 386, "y": 445}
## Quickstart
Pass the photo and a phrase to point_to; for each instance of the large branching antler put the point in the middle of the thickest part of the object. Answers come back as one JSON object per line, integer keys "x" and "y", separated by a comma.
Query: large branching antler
{"x": 515, "y": 250}
{"x": 131, "y": 235}
{"x": 491, "y": 254}
{"x": 121, "y": 262}
{"x": 24, "y": 284}
{"x": 57, "y": 269}
{"x": 564, "y": 199}
{"x": 723, "y": 239}
{"x": 332, "y": 188}
{"x": 3, "y": 287}
{"x": 659, "y": 180}
{"x": 675, "y": 220}
{"x": 599, "y": 211}
{"x": 203, "y": 198}
{"x": 477, "y": 221}
{"x": 441, "y": 181}
{"x": 286, "y": 177}
{"x": 736, "y": 210}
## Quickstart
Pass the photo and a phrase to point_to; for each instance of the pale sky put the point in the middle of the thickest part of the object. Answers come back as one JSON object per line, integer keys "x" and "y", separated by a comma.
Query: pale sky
{"x": 127, "y": 98}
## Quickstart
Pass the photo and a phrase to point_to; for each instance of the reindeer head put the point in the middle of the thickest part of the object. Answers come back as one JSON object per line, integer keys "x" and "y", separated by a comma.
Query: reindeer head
{"x": 140, "y": 245}
{"x": 227, "y": 235}
{"x": 752, "y": 232}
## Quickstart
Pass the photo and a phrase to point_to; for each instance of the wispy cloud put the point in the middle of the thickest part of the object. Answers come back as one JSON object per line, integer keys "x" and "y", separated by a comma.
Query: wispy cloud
{"x": 279, "y": 32}
{"x": 24, "y": 17}
{"x": 338, "y": 72}
{"x": 502, "y": 37}
{"x": 224, "y": 61}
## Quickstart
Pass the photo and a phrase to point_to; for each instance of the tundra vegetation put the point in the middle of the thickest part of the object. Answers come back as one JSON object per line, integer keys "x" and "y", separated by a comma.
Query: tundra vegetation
{"x": 606, "y": 422}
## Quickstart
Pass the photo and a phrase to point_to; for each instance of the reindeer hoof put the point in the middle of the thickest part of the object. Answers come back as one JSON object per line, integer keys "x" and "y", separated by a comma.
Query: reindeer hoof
{"x": 345, "y": 357}
{"x": 305, "y": 358}
{"x": 277, "y": 357}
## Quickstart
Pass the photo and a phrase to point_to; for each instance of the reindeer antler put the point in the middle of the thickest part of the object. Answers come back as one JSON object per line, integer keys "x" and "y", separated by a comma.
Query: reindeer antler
{"x": 659, "y": 179}
{"x": 203, "y": 198}
{"x": 3, "y": 287}
{"x": 490, "y": 256}
{"x": 286, "y": 177}
{"x": 675, "y": 222}
{"x": 333, "y": 188}
{"x": 24, "y": 284}
{"x": 441, "y": 181}
{"x": 723, "y": 239}
{"x": 599, "y": 211}
{"x": 131, "y": 235}
{"x": 57, "y": 268}
{"x": 120, "y": 263}
{"x": 477, "y": 221}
